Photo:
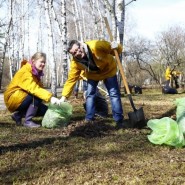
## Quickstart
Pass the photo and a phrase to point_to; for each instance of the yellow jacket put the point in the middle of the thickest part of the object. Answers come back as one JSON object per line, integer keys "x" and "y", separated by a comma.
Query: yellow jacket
{"x": 22, "y": 84}
{"x": 176, "y": 73}
{"x": 103, "y": 57}
{"x": 168, "y": 73}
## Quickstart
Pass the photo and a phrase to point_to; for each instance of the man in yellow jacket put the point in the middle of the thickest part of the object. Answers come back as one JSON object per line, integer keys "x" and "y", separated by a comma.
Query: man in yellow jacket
{"x": 96, "y": 58}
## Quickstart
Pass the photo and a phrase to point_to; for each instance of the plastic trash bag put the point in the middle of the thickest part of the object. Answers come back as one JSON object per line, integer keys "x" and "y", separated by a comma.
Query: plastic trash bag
{"x": 57, "y": 115}
{"x": 101, "y": 105}
{"x": 166, "y": 131}
{"x": 180, "y": 113}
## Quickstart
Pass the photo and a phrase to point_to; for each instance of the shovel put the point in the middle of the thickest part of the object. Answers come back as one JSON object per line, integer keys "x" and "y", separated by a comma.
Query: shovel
{"x": 137, "y": 117}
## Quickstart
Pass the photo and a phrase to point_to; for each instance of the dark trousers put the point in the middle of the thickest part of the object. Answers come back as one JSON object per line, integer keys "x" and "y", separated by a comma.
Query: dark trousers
{"x": 37, "y": 102}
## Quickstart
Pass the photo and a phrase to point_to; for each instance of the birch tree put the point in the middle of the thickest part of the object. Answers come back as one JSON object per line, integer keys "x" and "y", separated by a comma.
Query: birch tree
{"x": 64, "y": 40}
{"x": 78, "y": 21}
{"x": 48, "y": 13}
{"x": 22, "y": 31}
{"x": 110, "y": 10}
{"x": 7, "y": 32}
{"x": 62, "y": 31}
{"x": 120, "y": 18}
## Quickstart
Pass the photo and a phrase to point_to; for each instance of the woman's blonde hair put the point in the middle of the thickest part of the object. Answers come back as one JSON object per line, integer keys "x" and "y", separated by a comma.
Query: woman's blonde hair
{"x": 38, "y": 55}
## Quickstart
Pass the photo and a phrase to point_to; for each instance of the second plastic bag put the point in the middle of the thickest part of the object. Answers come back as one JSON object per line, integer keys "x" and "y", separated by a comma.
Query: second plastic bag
{"x": 165, "y": 131}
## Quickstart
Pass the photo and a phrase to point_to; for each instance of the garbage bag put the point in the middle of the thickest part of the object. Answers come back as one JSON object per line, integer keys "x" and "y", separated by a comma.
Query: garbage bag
{"x": 57, "y": 115}
{"x": 101, "y": 105}
{"x": 180, "y": 113}
{"x": 169, "y": 90}
{"x": 165, "y": 131}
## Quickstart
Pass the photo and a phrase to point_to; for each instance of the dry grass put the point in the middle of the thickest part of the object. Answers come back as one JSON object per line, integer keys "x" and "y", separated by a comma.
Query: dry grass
{"x": 91, "y": 154}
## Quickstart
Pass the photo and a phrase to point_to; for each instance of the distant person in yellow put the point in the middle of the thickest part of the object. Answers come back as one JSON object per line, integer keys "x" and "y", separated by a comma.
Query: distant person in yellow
{"x": 175, "y": 75}
{"x": 171, "y": 75}
{"x": 168, "y": 76}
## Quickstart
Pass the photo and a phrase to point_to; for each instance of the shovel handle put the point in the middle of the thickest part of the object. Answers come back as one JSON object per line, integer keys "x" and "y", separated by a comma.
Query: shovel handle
{"x": 117, "y": 58}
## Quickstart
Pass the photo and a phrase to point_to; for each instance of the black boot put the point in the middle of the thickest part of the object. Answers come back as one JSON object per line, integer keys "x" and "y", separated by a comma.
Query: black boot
{"x": 17, "y": 117}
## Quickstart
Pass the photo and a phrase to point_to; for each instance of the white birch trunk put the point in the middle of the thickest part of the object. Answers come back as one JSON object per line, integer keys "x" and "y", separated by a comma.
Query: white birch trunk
{"x": 95, "y": 30}
{"x": 7, "y": 36}
{"x": 75, "y": 19}
{"x": 51, "y": 57}
{"x": 102, "y": 31}
{"x": 28, "y": 28}
{"x": 64, "y": 41}
{"x": 78, "y": 20}
{"x": 110, "y": 11}
{"x": 22, "y": 31}
{"x": 120, "y": 17}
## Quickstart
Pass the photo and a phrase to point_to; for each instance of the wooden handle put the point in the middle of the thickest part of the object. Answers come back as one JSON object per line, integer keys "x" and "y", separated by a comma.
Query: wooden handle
{"x": 117, "y": 58}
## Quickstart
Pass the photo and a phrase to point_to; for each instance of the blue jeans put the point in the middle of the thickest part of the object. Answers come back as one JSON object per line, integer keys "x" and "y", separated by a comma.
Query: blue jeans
{"x": 115, "y": 98}
{"x": 37, "y": 102}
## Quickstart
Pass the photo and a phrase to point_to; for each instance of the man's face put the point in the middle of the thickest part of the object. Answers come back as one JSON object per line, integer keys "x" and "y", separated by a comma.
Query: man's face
{"x": 77, "y": 51}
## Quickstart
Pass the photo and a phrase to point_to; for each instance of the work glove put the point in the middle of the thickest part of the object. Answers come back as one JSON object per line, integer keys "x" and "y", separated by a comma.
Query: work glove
{"x": 114, "y": 45}
{"x": 54, "y": 100}
{"x": 63, "y": 99}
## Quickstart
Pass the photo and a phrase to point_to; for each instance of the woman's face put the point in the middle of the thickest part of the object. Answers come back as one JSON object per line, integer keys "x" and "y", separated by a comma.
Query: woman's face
{"x": 39, "y": 63}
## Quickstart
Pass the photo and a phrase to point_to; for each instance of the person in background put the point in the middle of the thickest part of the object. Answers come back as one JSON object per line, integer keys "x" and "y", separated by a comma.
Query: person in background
{"x": 96, "y": 58}
{"x": 168, "y": 76}
{"x": 175, "y": 75}
{"x": 25, "y": 93}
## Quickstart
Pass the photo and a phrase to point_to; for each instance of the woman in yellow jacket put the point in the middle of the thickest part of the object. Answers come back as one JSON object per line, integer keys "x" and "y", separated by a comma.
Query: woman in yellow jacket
{"x": 96, "y": 58}
{"x": 25, "y": 93}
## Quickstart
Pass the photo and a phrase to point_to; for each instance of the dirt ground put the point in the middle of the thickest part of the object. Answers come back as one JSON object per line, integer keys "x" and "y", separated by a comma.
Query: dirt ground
{"x": 94, "y": 153}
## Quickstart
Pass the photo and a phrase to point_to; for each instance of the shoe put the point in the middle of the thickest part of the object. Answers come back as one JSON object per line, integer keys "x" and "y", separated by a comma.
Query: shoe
{"x": 31, "y": 112}
{"x": 17, "y": 117}
{"x": 122, "y": 124}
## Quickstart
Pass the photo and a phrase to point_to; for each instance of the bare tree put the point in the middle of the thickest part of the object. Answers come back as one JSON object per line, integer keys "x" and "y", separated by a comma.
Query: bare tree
{"x": 142, "y": 52}
{"x": 171, "y": 46}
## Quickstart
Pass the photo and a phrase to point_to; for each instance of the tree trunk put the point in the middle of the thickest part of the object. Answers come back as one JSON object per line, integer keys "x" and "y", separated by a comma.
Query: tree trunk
{"x": 48, "y": 5}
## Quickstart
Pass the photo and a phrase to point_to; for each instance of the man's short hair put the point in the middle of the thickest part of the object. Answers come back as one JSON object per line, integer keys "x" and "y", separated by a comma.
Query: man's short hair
{"x": 71, "y": 43}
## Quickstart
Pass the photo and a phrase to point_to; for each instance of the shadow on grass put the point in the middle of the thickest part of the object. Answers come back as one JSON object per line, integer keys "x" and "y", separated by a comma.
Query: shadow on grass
{"x": 29, "y": 145}
{"x": 60, "y": 156}
{"x": 98, "y": 129}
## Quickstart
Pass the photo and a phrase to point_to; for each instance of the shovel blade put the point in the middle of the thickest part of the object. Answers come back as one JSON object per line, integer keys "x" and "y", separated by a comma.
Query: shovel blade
{"x": 137, "y": 118}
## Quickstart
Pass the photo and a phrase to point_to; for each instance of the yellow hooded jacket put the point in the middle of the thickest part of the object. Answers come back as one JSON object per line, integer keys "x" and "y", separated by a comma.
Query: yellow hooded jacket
{"x": 103, "y": 57}
{"x": 168, "y": 73}
{"x": 22, "y": 84}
